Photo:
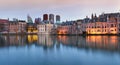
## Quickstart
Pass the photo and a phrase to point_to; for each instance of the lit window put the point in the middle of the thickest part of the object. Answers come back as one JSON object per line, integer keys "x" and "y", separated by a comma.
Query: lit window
{"x": 112, "y": 30}
{"x": 105, "y": 26}
{"x": 112, "y": 25}
{"x": 98, "y": 30}
{"x": 102, "y": 30}
{"x": 105, "y": 30}
{"x": 115, "y": 25}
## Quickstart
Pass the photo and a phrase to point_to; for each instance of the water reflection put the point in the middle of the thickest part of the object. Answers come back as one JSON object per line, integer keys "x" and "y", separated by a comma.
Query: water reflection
{"x": 45, "y": 40}
{"x": 32, "y": 38}
{"x": 110, "y": 43}
{"x": 103, "y": 42}
{"x": 12, "y": 40}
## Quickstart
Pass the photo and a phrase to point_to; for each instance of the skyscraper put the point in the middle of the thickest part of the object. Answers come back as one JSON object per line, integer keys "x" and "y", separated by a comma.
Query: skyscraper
{"x": 29, "y": 19}
{"x": 38, "y": 20}
{"x": 57, "y": 19}
{"x": 45, "y": 18}
{"x": 51, "y": 18}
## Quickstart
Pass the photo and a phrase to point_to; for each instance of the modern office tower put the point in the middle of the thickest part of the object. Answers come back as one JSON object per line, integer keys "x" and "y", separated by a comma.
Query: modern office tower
{"x": 45, "y": 18}
{"x": 29, "y": 19}
{"x": 38, "y": 20}
{"x": 51, "y": 18}
{"x": 57, "y": 18}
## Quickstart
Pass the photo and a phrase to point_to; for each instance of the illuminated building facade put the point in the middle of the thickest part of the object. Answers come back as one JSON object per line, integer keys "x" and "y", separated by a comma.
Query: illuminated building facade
{"x": 102, "y": 28}
{"x": 69, "y": 28}
{"x": 106, "y": 24}
{"x": 103, "y": 24}
{"x": 63, "y": 30}
{"x": 31, "y": 27}
{"x": 45, "y": 28}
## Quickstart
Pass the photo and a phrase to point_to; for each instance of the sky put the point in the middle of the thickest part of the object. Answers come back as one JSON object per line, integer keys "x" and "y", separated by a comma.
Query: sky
{"x": 67, "y": 9}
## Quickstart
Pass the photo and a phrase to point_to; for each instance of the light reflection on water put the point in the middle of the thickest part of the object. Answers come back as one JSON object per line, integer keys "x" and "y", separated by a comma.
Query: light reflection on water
{"x": 59, "y": 50}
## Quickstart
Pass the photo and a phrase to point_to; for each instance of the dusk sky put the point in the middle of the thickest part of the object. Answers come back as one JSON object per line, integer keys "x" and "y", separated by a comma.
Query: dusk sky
{"x": 67, "y": 9}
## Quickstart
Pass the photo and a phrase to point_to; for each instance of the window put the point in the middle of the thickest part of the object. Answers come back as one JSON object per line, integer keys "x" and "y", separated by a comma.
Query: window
{"x": 98, "y": 30}
{"x": 98, "y": 26}
{"x": 105, "y": 26}
{"x": 102, "y": 30}
{"x": 102, "y": 26}
{"x": 105, "y": 30}
{"x": 115, "y": 25}
{"x": 112, "y": 30}
{"x": 112, "y": 25}
{"x": 89, "y": 30}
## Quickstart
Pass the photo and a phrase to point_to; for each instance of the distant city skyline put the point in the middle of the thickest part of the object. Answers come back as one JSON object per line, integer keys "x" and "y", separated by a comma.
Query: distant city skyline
{"x": 67, "y": 9}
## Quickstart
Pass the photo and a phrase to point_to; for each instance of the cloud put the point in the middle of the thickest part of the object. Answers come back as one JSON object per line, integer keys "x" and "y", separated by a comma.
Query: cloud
{"x": 8, "y": 5}
{"x": 67, "y": 8}
{"x": 13, "y": 4}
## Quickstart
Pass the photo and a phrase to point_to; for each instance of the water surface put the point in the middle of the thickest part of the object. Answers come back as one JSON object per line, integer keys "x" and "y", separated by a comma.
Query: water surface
{"x": 59, "y": 50}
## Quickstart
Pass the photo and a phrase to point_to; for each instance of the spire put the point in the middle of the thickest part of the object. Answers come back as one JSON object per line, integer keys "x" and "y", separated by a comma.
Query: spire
{"x": 92, "y": 16}
{"x": 95, "y": 15}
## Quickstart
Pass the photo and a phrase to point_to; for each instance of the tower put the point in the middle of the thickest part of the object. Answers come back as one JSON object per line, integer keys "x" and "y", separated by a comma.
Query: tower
{"x": 92, "y": 16}
{"x": 45, "y": 18}
{"x": 29, "y": 19}
{"x": 38, "y": 20}
{"x": 51, "y": 18}
{"x": 57, "y": 19}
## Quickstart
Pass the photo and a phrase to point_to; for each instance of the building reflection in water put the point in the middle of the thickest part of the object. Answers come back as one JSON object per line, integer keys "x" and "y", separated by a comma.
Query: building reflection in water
{"x": 13, "y": 40}
{"x": 32, "y": 38}
{"x": 45, "y": 40}
{"x": 103, "y": 42}
{"x": 90, "y": 42}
